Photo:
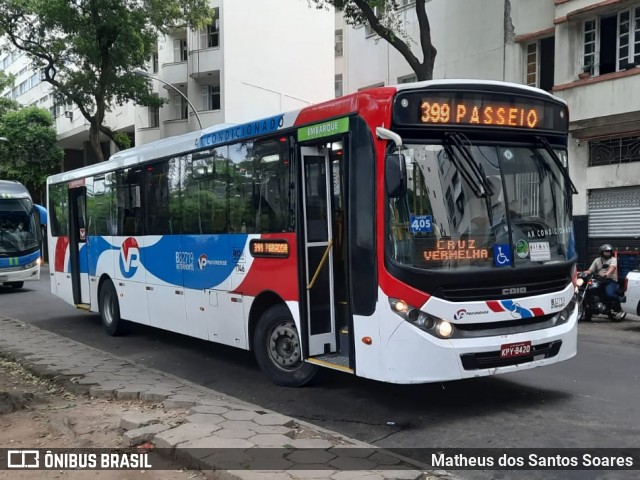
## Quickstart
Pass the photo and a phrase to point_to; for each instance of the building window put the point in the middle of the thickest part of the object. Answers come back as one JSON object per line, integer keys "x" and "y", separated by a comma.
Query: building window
{"x": 154, "y": 63}
{"x": 179, "y": 50}
{"x": 614, "y": 150}
{"x": 154, "y": 117}
{"x": 338, "y": 85}
{"x": 210, "y": 36}
{"x": 368, "y": 31}
{"x": 338, "y": 45}
{"x": 180, "y": 107}
{"x": 612, "y": 42}
{"x": 540, "y": 63}
{"x": 210, "y": 97}
{"x": 408, "y": 78}
{"x": 35, "y": 79}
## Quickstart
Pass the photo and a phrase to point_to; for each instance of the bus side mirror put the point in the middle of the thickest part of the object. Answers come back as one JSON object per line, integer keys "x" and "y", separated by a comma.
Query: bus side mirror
{"x": 396, "y": 175}
{"x": 36, "y": 218}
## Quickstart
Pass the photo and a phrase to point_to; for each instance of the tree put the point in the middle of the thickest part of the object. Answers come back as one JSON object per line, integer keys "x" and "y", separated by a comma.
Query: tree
{"x": 30, "y": 153}
{"x": 7, "y": 104}
{"x": 384, "y": 18}
{"x": 88, "y": 49}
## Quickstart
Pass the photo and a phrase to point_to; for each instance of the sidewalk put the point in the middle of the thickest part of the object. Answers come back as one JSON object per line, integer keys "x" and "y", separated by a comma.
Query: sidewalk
{"x": 221, "y": 435}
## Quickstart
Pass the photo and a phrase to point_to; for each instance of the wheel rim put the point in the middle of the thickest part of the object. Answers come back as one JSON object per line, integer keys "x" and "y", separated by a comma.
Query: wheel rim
{"x": 283, "y": 345}
{"x": 108, "y": 308}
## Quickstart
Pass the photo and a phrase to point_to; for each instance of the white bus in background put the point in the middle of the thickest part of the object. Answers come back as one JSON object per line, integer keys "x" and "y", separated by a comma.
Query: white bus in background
{"x": 20, "y": 235}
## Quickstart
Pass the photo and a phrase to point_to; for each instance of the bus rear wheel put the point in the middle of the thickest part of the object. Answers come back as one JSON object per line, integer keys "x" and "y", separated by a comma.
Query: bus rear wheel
{"x": 110, "y": 309}
{"x": 278, "y": 349}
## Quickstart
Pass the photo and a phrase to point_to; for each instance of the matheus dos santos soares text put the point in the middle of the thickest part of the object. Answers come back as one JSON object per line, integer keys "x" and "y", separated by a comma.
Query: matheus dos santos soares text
{"x": 533, "y": 460}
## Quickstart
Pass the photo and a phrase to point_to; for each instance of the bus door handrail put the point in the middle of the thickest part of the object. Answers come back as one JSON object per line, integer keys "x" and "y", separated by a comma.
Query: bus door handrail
{"x": 320, "y": 265}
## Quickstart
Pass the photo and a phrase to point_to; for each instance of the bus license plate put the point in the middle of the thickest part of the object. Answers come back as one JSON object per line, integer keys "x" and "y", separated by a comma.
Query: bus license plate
{"x": 515, "y": 349}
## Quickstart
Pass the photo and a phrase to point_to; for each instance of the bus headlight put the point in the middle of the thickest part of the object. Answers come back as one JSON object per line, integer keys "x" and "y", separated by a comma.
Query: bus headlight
{"x": 433, "y": 325}
{"x": 444, "y": 329}
{"x": 565, "y": 314}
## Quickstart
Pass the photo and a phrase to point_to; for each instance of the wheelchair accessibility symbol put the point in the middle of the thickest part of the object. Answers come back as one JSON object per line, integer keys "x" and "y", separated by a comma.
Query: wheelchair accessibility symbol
{"x": 502, "y": 255}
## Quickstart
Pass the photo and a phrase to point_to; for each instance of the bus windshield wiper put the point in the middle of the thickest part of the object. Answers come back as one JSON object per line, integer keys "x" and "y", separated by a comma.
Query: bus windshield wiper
{"x": 474, "y": 174}
{"x": 545, "y": 143}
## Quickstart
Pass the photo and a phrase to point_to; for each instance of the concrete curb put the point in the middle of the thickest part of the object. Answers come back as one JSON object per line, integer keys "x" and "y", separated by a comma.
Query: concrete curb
{"x": 216, "y": 421}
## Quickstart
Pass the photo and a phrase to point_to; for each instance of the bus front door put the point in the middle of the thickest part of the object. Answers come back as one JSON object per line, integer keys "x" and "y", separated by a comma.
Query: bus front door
{"x": 78, "y": 252}
{"x": 318, "y": 249}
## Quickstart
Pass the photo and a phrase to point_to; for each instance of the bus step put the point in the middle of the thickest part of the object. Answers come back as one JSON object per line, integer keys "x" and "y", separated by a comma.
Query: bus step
{"x": 83, "y": 306}
{"x": 332, "y": 360}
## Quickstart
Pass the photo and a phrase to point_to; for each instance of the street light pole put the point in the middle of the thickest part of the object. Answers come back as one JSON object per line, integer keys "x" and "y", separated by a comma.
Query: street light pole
{"x": 142, "y": 73}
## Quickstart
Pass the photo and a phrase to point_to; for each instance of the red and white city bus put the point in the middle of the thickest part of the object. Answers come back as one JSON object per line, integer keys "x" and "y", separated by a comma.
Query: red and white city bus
{"x": 406, "y": 234}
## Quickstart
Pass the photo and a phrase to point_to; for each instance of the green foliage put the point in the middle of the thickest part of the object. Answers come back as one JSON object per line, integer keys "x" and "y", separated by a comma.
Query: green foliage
{"x": 87, "y": 49}
{"x": 7, "y": 104}
{"x": 122, "y": 140}
{"x": 31, "y": 152}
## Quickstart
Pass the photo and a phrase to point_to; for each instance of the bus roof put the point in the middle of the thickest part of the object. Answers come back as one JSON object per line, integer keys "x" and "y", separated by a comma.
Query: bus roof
{"x": 13, "y": 189}
{"x": 228, "y": 132}
{"x": 469, "y": 81}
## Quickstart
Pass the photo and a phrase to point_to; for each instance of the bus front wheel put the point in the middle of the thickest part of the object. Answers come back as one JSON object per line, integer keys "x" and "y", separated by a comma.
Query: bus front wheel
{"x": 110, "y": 309}
{"x": 16, "y": 284}
{"x": 278, "y": 349}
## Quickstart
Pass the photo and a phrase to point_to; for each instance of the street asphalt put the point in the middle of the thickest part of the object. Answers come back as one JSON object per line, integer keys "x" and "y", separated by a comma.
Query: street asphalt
{"x": 590, "y": 401}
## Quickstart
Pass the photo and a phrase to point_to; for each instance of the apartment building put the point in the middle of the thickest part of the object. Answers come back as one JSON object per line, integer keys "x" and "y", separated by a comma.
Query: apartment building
{"x": 253, "y": 61}
{"x": 584, "y": 51}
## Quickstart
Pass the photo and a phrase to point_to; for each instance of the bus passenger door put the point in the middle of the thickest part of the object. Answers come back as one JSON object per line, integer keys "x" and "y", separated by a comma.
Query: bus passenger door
{"x": 318, "y": 250}
{"x": 78, "y": 244}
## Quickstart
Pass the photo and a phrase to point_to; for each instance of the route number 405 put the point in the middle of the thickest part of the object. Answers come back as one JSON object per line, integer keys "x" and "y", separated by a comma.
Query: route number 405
{"x": 420, "y": 223}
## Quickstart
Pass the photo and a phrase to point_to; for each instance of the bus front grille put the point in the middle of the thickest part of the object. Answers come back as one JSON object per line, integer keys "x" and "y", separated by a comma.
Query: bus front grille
{"x": 479, "y": 361}
{"x": 490, "y": 291}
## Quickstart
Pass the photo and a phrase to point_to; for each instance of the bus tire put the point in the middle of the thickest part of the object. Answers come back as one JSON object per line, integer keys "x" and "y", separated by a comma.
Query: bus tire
{"x": 278, "y": 350}
{"x": 110, "y": 310}
{"x": 16, "y": 285}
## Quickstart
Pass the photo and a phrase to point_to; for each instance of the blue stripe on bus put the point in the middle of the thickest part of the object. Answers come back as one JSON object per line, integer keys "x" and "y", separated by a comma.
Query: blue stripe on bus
{"x": 192, "y": 261}
{"x": 18, "y": 261}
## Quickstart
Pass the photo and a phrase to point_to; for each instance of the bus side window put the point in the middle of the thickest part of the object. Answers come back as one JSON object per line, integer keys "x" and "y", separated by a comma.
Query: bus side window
{"x": 129, "y": 207}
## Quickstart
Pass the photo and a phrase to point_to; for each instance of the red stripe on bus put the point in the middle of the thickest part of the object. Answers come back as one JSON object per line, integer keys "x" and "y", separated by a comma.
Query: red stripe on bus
{"x": 61, "y": 249}
{"x": 495, "y": 306}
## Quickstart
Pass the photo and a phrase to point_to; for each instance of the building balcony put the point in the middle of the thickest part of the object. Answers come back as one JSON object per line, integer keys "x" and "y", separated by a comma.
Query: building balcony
{"x": 147, "y": 135}
{"x": 174, "y": 73}
{"x": 175, "y": 127}
{"x": 616, "y": 94}
{"x": 203, "y": 62}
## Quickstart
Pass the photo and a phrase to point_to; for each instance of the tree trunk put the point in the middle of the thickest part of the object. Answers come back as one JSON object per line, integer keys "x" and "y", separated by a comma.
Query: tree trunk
{"x": 94, "y": 138}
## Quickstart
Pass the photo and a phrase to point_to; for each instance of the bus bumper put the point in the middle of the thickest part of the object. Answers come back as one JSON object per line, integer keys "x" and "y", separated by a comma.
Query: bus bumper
{"x": 32, "y": 273}
{"x": 414, "y": 356}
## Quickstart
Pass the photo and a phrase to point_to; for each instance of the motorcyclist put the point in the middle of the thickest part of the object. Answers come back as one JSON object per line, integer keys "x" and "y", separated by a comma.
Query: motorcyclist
{"x": 606, "y": 267}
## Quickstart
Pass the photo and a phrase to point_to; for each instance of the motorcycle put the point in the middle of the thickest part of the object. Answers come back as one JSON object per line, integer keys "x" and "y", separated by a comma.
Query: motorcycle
{"x": 592, "y": 299}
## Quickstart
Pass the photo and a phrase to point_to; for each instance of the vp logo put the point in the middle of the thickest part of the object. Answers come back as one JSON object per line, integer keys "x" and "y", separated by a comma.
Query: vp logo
{"x": 459, "y": 315}
{"x": 516, "y": 311}
{"x": 129, "y": 257}
{"x": 202, "y": 261}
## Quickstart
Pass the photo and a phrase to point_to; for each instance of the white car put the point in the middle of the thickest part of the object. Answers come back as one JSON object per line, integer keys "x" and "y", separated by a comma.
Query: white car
{"x": 632, "y": 291}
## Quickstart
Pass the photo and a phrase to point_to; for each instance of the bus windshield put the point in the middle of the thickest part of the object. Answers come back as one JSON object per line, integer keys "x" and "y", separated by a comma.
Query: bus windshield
{"x": 481, "y": 207}
{"x": 17, "y": 227}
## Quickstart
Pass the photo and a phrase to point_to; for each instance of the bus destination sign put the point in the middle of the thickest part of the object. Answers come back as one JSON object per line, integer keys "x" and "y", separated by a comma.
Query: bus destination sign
{"x": 269, "y": 248}
{"x": 478, "y": 109}
{"x": 472, "y": 113}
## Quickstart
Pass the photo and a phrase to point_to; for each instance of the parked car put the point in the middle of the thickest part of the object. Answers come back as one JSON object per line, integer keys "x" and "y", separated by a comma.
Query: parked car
{"x": 632, "y": 291}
